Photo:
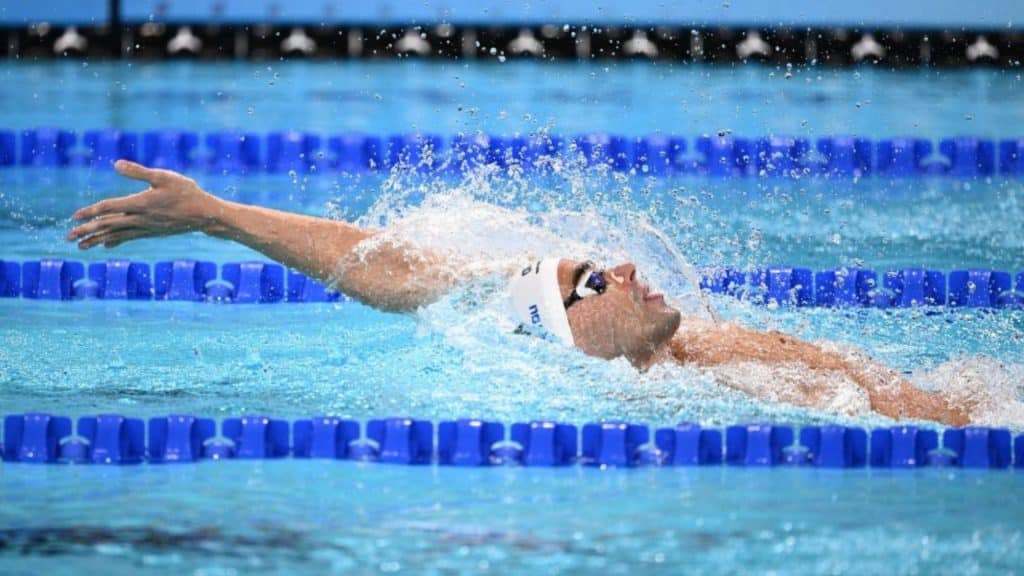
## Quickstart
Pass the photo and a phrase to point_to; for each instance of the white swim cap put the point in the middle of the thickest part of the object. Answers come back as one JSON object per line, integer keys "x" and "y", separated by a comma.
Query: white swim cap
{"x": 537, "y": 300}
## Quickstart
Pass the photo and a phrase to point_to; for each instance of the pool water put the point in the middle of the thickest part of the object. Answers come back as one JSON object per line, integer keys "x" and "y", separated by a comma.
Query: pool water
{"x": 631, "y": 98}
{"x": 459, "y": 357}
{"x": 330, "y": 517}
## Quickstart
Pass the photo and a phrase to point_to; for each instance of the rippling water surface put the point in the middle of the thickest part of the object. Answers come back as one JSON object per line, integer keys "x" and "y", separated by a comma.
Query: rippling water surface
{"x": 459, "y": 356}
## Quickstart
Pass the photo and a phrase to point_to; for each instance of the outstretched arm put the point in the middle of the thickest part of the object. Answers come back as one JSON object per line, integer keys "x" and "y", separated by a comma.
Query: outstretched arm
{"x": 358, "y": 261}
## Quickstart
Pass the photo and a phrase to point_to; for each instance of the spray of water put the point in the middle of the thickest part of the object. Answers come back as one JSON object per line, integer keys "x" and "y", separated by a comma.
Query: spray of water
{"x": 491, "y": 220}
{"x": 688, "y": 271}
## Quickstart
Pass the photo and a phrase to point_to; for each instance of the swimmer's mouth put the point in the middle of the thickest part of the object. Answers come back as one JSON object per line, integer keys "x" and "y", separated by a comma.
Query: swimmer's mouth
{"x": 654, "y": 297}
{"x": 650, "y": 296}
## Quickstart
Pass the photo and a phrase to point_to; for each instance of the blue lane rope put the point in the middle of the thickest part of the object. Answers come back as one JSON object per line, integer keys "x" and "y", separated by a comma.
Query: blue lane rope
{"x": 116, "y": 439}
{"x": 655, "y": 155}
{"x": 265, "y": 282}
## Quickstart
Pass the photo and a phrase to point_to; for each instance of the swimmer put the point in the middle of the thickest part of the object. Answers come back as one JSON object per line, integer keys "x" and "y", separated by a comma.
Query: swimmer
{"x": 607, "y": 313}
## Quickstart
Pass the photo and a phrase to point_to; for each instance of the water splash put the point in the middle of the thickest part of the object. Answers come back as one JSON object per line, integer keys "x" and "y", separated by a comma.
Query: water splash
{"x": 491, "y": 220}
{"x": 992, "y": 388}
{"x": 687, "y": 270}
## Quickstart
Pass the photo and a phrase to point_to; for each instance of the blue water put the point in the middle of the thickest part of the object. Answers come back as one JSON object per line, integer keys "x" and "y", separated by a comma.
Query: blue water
{"x": 631, "y": 98}
{"x": 147, "y": 359}
{"x": 320, "y": 517}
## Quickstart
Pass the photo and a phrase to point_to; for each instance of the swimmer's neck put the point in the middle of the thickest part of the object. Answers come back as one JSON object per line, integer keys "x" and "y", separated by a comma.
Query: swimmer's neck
{"x": 665, "y": 353}
{"x": 674, "y": 350}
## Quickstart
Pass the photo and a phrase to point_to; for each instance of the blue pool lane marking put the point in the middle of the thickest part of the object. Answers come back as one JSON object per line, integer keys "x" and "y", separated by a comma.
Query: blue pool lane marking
{"x": 116, "y": 439}
{"x": 267, "y": 283}
{"x": 182, "y": 280}
{"x": 723, "y": 155}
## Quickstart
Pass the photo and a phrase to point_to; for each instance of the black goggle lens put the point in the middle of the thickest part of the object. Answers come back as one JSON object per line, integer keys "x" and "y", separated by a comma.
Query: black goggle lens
{"x": 597, "y": 282}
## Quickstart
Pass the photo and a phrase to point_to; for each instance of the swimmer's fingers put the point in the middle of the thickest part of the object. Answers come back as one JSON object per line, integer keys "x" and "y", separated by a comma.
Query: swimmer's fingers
{"x": 139, "y": 172}
{"x": 113, "y": 238}
{"x": 122, "y": 205}
{"x": 93, "y": 227}
{"x": 125, "y": 204}
{"x": 116, "y": 238}
{"x": 103, "y": 225}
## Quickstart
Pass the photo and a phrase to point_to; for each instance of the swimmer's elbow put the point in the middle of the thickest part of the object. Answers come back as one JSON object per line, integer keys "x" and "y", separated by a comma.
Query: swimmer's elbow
{"x": 392, "y": 278}
{"x": 396, "y": 299}
{"x": 403, "y": 304}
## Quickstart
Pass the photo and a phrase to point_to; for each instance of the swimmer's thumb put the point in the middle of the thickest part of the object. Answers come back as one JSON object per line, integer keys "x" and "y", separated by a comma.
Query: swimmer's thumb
{"x": 134, "y": 171}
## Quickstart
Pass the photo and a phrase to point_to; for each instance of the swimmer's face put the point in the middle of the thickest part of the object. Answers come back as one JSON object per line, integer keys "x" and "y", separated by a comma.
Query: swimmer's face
{"x": 629, "y": 319}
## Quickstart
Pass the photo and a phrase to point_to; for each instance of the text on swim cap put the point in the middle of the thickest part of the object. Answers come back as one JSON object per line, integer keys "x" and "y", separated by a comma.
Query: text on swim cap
{"x": 534, "y": 314}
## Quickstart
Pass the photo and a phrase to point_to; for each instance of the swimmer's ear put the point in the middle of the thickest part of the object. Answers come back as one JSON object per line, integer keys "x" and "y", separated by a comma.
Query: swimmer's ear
{"x": 135, "y": 171}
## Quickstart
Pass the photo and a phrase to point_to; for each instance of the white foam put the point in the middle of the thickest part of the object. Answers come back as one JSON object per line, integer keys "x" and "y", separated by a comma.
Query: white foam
{"x": 479, "y": 234}
{"x": 796, "y": 385}
{"x": 475, "y": 226}
{"x": 992, "y": 389}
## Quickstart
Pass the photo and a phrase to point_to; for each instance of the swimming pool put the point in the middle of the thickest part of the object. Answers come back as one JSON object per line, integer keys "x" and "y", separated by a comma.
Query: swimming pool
{"x": 153, "y": 358}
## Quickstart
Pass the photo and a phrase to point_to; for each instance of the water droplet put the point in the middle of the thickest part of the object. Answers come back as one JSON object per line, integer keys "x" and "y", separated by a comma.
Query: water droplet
{"x": 253, "y": 359}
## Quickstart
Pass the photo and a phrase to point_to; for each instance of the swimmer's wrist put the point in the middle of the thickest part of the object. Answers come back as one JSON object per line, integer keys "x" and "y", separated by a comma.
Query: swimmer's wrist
{"x": 216, "y": 217}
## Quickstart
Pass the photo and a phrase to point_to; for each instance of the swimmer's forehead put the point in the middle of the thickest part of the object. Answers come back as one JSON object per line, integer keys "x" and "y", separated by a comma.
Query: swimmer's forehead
{"x": 566, "y": 271}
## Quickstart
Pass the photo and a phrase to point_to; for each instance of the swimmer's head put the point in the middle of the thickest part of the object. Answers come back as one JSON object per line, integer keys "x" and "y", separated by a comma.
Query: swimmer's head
{"x": 608, "y": 315}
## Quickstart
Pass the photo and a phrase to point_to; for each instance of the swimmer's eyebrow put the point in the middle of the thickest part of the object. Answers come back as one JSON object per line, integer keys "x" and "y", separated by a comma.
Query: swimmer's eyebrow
{"x": 580, "y": 268}
{"x": 577, "y": 272}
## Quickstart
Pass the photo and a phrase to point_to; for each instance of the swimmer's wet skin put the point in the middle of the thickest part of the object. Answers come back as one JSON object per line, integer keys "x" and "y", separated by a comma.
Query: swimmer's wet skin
{"x": 614, "y": 316}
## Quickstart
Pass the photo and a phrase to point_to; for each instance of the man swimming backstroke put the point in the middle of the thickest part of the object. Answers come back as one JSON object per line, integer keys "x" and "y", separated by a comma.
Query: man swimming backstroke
{"x": 607, "y": 313}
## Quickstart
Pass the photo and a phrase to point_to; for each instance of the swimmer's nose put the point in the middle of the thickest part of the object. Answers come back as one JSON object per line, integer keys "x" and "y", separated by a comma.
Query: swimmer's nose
{"x": 626, "y": 271}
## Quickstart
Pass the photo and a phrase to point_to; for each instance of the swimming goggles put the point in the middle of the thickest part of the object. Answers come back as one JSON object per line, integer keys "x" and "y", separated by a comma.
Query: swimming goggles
{"x": 590, "y": 282}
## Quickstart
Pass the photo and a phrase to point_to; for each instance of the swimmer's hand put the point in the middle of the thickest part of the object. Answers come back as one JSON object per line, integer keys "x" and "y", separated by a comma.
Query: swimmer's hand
{"x": 173, "y": 204}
